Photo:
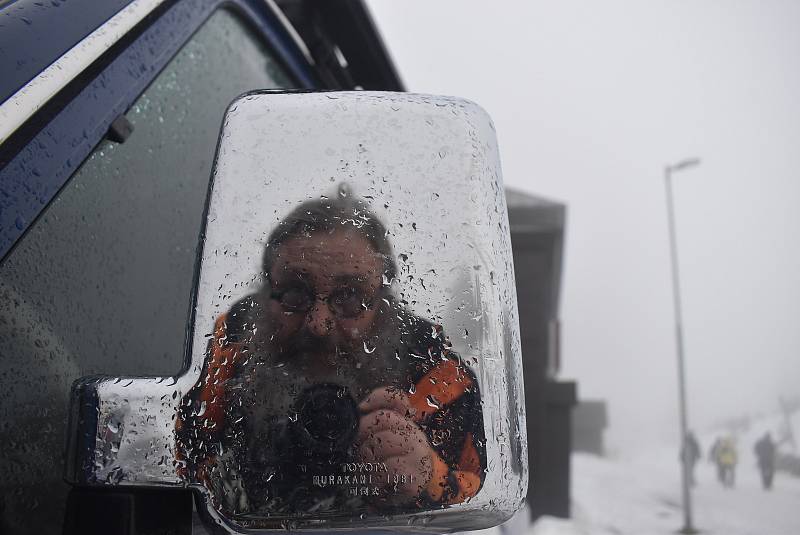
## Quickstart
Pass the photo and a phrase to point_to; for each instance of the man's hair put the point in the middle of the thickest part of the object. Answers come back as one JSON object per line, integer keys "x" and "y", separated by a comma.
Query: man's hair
{"x": 328, "y": 215}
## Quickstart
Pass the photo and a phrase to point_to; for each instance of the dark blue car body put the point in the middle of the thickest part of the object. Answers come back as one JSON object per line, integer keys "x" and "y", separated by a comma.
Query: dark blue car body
{"x": 41, "y": 155}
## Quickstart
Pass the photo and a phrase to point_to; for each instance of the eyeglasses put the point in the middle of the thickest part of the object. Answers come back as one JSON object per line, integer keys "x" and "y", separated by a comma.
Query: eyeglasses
{"x": 346, "y": 301}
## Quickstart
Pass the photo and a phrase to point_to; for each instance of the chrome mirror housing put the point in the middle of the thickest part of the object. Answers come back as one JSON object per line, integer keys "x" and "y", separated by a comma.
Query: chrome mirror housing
{"x": 353, "y": 359}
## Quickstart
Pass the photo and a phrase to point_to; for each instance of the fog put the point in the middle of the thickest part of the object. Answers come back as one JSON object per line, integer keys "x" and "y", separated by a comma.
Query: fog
{"x": 590, "y": 101}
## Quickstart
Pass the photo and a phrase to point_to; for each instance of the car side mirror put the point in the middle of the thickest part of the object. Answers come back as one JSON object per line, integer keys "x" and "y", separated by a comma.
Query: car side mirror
{"x": 353, "y": 359}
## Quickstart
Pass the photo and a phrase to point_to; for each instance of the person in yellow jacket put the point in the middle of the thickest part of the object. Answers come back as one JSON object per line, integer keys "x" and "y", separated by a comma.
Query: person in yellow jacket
{"x": 726, "y": 458}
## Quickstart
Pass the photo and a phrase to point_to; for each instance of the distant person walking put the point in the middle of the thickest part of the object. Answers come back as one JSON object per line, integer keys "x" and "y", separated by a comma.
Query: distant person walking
{"x": 765, "y": 452}
{"x": 726, "y": 458}
{"x": 712, "y": 457}
{"x": 690, "y": 454}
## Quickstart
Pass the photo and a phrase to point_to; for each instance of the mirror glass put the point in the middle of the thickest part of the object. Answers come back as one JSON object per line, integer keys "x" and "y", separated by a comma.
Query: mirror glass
{"x": 354, "y": 354}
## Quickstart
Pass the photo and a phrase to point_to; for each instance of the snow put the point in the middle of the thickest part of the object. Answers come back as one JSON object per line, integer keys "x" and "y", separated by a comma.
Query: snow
{"x": 640, "y": 495}
{"x": 555, "y": 526}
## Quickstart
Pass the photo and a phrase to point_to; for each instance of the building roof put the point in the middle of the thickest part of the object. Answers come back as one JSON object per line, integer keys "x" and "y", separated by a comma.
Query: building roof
{"x": 531, "y": 213}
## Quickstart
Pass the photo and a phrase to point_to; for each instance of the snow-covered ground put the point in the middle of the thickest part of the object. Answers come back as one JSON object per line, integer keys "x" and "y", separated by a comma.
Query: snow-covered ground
{"x": 641, "y": 495}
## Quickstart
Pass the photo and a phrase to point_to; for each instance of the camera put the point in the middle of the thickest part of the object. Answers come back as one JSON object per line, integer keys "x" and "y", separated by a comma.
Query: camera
{"x": 292, "y": 459}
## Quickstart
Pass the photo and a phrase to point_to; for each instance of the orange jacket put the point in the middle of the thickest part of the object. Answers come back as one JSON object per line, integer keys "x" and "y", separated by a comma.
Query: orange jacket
{"x": 453, "y": 423}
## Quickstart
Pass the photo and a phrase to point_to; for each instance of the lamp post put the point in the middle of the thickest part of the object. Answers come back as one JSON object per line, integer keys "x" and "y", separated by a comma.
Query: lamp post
{"x": 676, "y": 292}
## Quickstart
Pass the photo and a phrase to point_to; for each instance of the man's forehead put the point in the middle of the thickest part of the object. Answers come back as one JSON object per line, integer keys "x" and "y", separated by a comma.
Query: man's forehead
{"x": 340, "y": 252}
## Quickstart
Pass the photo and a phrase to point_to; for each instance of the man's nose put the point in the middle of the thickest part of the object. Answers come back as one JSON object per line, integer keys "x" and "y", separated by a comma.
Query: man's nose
{"x": 319, "y": 319}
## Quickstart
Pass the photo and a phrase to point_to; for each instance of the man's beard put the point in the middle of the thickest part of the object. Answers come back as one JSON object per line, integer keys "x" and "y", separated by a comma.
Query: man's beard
{"x": 309, "y": 351}
{"x": 286, "y": 367}
{"x": 281, "y": 365}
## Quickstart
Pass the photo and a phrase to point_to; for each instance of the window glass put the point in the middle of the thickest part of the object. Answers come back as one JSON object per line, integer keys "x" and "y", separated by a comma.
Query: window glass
{"x": 101, "y": 284}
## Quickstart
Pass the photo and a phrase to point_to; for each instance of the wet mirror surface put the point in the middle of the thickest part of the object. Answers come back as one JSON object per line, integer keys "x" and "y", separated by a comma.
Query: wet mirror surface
{"x": 323, "y": 391}
{"x": 354, "y": 349}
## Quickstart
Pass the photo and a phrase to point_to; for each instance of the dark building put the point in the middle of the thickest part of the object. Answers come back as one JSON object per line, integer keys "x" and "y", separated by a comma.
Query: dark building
{"x": 537, "y": 239}
{"x": 589, "y": 421}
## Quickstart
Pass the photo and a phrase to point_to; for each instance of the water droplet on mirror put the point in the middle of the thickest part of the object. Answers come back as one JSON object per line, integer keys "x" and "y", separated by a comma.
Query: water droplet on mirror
{"x": 433, "y": 402}
{"x": 368, "y": 349}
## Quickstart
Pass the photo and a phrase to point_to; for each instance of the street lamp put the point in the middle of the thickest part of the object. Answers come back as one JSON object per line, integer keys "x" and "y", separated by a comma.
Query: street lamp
{"x": 676, "y": 291}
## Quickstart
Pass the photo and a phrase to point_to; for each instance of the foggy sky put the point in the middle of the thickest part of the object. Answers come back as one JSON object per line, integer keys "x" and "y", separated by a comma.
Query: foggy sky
{"x": 590, "y": 101}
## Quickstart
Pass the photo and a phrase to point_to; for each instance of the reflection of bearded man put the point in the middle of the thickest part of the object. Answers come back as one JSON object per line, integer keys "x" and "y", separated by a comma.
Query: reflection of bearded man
{"x": 326, "y": 316}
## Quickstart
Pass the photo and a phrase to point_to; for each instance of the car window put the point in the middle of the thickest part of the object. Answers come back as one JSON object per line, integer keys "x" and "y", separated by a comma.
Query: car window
{"x": 101, "y": 283}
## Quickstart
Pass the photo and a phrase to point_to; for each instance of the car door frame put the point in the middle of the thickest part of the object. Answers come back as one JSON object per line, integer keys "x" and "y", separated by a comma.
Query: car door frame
{"x": 39, "y": 157}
